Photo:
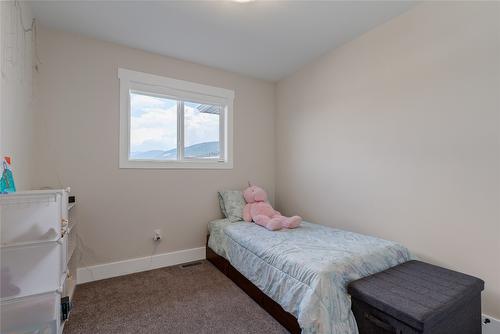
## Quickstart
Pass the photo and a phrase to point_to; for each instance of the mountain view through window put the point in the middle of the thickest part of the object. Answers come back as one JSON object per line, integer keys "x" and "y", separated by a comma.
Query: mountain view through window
{"x": 155, "y": 122}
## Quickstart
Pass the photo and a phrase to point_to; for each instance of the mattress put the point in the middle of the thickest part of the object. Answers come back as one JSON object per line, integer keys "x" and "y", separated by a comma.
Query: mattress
{"x": 306, "y": 270}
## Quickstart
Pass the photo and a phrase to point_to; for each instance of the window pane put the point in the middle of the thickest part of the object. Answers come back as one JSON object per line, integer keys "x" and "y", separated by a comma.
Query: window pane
{"x": 153, "y": 127}
{"x": 201, "y": 134}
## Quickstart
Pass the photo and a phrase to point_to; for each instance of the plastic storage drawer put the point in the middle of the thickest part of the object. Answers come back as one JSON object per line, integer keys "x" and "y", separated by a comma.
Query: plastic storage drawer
{"x": 40, "y": 314}
{"x": 33, "y": 216}
{"x": 70, "y": 282}
{"x": 72, "y": 240}
{"x": 69, "y": 285}
{"x": 65, "y": 246}
{"x": 32, "y": 269}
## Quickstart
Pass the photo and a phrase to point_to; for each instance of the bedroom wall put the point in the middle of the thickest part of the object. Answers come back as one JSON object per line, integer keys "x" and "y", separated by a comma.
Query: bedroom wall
{"x": 397, "y": 134}
{"x": 77, "y": 143}
{"x": 16, "y": 98}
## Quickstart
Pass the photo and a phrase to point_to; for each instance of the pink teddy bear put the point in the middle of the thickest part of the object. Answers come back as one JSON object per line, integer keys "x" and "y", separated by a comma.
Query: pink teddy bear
{"x": 262, "y": 213}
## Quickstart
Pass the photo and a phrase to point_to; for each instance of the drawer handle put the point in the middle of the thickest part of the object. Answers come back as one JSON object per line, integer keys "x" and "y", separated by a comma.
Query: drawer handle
{"x": 379, "y": 323}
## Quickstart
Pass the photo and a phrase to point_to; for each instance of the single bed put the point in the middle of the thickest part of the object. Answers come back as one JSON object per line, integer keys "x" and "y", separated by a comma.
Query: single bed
{"x": 305, "y": 270}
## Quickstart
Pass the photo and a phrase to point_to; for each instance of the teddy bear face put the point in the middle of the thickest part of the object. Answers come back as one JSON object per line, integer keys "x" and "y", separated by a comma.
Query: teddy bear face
{"x": 254, "y": 194}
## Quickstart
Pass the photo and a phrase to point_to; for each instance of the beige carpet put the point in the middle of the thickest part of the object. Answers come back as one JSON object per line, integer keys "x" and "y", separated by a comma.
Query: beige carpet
{"x": 197, "y": 299}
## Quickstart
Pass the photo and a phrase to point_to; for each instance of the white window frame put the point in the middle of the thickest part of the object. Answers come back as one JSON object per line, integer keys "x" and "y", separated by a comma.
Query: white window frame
{"x": 150, "y": 84}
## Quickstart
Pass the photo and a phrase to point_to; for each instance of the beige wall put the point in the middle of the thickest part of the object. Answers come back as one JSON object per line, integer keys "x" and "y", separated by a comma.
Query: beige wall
{"x": 16, "y": 102}
{"x": 397, "y": 134}
{"x": 118, "y": 209}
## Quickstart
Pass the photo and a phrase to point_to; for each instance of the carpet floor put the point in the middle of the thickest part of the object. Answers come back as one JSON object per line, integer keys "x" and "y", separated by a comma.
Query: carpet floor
{"x": 197, "y": 299}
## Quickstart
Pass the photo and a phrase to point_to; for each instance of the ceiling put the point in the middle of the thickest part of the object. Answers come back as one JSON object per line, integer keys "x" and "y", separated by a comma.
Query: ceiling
{"x": 263, "y": 39}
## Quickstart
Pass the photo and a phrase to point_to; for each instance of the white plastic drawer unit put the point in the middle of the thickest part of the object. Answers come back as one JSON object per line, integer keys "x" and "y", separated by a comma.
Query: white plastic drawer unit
{"x": 72, "y": 240}
{"x": 32, "y": 269}
{"x": 70, "y": 282}
{"x": 40, "y": 314}
{"x": 33, "y": 215}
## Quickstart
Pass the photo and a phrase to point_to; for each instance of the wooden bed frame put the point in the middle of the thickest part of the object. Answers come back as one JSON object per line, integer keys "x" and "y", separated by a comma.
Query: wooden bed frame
{"x": 274, "y": 309}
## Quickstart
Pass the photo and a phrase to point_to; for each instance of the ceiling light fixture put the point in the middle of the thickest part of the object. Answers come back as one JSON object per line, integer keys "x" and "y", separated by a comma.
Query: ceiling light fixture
{"x": 243, "y": 1}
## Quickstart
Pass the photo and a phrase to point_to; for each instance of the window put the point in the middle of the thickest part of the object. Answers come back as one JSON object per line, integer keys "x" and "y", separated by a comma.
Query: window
{"x": 169, "y": 123}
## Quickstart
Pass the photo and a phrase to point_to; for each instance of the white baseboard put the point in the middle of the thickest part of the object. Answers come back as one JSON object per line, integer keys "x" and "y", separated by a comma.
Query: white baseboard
{"x": 113, "y": 269}
{"x": 492, "y": 327}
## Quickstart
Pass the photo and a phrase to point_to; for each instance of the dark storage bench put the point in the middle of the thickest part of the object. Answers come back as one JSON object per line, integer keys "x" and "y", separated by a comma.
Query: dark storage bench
{"x": 417, "y": 297}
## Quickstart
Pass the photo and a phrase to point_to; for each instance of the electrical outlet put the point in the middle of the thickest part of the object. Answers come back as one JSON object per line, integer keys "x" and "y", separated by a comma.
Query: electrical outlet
{"x": 157, "y": 235}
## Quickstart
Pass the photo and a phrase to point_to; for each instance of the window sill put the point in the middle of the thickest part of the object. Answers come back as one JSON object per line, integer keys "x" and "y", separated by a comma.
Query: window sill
{"x": 149, "y": 164}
